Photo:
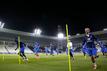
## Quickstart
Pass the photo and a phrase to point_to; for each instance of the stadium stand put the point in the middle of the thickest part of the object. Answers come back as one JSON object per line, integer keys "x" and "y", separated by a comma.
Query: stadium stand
{"x": 3, "y": 50}
{"x": 9, "y": 36}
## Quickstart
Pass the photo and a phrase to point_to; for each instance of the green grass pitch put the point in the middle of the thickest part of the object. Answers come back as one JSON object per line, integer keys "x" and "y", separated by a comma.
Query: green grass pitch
{"x": 50, "y": 63}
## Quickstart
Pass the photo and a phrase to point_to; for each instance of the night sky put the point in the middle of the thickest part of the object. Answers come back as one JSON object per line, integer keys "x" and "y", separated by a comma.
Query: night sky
{"x": 26, "y": 17}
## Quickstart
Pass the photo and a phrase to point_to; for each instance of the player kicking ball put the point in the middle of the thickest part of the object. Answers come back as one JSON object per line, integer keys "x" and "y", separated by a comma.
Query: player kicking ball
{"x": 21, "y": 51}
{"x": 89, "y": 40}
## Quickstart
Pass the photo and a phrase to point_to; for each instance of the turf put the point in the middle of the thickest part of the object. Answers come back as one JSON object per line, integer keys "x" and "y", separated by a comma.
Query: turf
{"x": 45, "y": 63}
{"x": 50, "y": 63}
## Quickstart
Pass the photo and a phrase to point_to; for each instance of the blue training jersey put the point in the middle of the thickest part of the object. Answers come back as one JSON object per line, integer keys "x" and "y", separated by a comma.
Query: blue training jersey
{"x": 22, "y": 46}
{"x": 89, "y": 41}
{"x": 36, "y": 47}
{"x": 46, "y": 48}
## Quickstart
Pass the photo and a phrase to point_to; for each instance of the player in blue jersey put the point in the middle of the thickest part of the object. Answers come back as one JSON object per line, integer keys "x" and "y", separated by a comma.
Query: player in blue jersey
{"x": 36, "y": 49}
{"x": 103, "y": 48}
{"x": 22, "y": 49}
{"x": 56, "y": 50}
{"x": 46, "y": 50}
{"x": 51, "y": 49}
{"x": 89, "y": 40}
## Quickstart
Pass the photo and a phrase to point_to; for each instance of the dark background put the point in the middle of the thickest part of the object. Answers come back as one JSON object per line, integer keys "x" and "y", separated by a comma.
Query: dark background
{"x": 26, "y": 17}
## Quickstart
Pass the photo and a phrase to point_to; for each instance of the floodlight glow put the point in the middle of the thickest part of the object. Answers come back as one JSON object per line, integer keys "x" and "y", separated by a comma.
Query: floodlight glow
{"x": 37, "y": 32}
{"x": 1, "y": 24}
{"x": 105, "y": 29}
{"x": 77, "y": 34}
{"x": 60, "y": 35}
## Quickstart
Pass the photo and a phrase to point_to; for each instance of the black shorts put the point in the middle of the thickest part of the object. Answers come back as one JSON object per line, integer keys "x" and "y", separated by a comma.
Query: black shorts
{"x": 71, "y": 54}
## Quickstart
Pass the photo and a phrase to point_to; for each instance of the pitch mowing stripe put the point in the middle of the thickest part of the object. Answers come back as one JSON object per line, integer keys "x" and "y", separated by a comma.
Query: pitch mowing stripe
{"x": 68, "y": 47}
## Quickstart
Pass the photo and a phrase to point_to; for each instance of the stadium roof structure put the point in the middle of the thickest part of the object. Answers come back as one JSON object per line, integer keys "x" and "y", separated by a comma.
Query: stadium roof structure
{"x": 10, "y": 35}
{"x": 16, "y": 33}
